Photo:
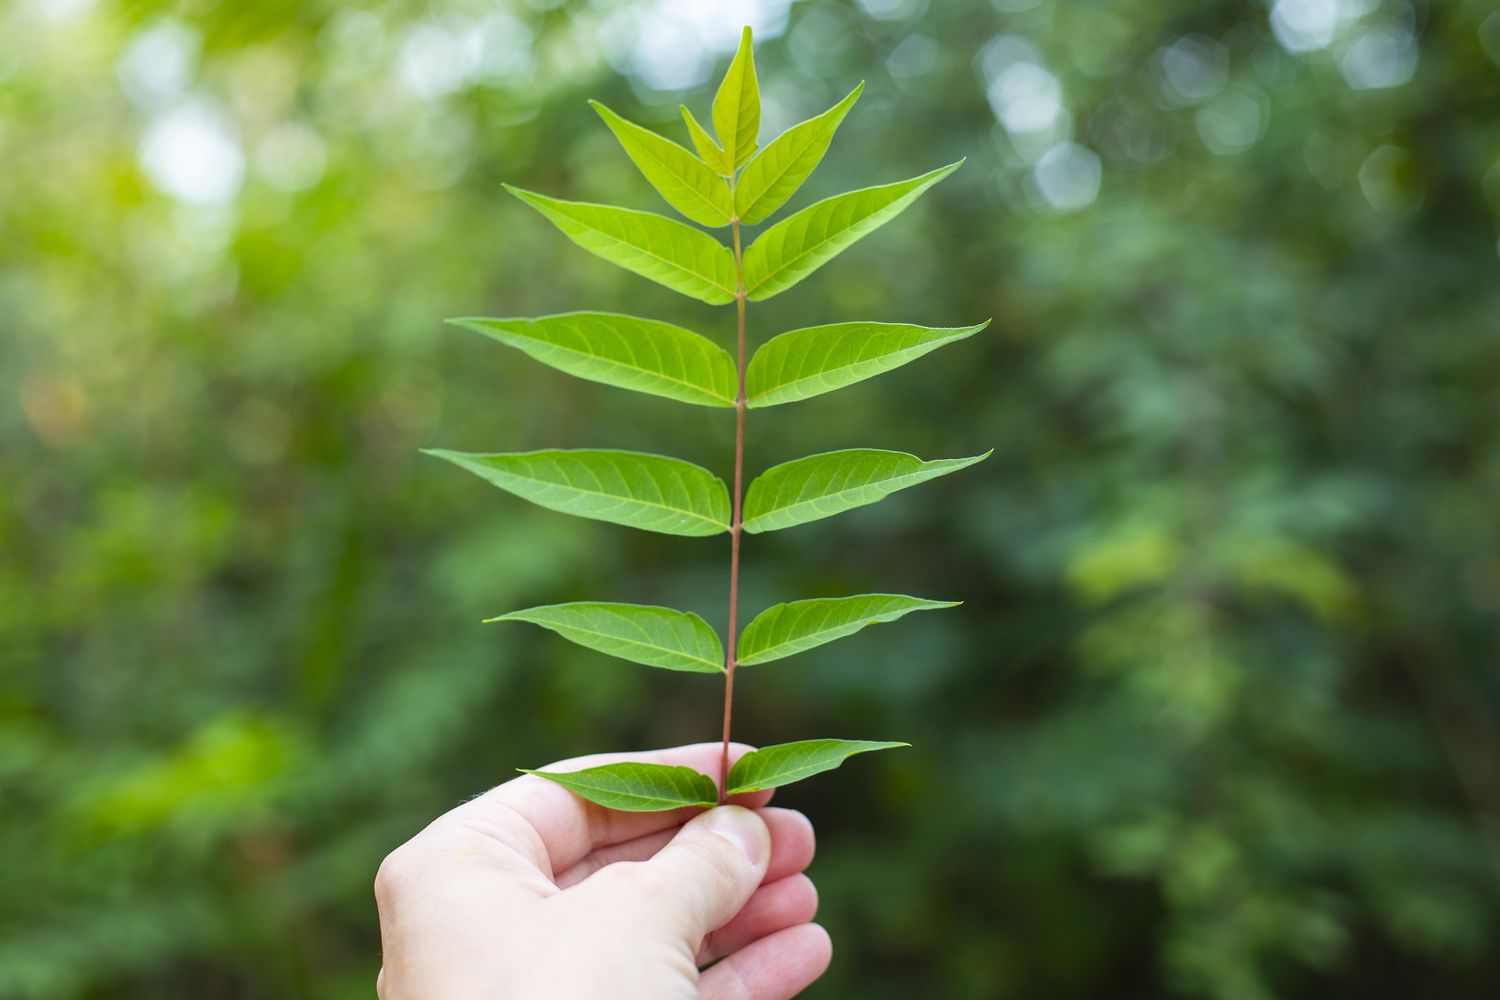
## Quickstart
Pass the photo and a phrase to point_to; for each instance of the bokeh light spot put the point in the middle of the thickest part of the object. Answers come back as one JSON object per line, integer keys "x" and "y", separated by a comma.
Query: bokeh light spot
{"x": 1067, "y": 176}
{"x": 1379, "y": 57}
{"x": 1305, "y": 25}
{"x": 1231, "y": 124}
{"x": 292, "y": 157}
{"x": 191, "y": 153}
{"x": 158, "y": 64}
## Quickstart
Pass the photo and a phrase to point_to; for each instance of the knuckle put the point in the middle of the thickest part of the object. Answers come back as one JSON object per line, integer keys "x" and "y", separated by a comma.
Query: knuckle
{"x": 393, "y": 874}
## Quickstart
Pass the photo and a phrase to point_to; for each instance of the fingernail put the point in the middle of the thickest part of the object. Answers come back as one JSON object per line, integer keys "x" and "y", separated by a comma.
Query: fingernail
{"x": 740, "y": 827}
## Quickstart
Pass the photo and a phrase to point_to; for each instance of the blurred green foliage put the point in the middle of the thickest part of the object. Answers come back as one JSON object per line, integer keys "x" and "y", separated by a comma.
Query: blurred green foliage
{"x": 1221, "y": 715}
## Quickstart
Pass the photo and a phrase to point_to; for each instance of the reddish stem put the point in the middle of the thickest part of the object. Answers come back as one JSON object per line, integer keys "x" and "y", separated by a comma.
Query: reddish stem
{"x": 734, "y": 524}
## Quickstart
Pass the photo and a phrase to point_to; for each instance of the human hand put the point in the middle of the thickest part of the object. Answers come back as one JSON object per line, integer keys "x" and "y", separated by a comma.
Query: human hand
{"x": 531, "y": 893}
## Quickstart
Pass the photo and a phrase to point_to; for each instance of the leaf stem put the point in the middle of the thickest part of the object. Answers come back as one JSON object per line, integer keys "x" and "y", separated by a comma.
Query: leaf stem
{"x": 734, "y": 524}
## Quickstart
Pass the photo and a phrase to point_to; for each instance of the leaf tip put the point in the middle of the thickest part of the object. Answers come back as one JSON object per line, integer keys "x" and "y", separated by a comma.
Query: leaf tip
{"x": 465, "y": 322}
{"x": 517, "y": 192}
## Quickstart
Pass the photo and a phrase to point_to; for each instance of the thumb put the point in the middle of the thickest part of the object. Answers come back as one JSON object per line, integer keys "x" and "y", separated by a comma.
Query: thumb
{"x": 700, "y": 880}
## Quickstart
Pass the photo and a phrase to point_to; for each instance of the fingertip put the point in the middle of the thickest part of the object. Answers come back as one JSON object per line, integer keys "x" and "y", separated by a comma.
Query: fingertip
{"x": 816, "y": 947}
{"x": 800, "y": 904}
{"x": 791, "y": 821}
{"x": 777, "y": 967}
{"x": 811, "y": 895}
{"x": 824, "y": 939}
{"x": 793, "y": 841}
{"x": 820, "y": 946}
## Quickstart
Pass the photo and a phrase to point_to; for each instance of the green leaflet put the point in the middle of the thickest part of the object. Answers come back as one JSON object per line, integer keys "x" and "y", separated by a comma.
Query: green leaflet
{"x": 707, "y": 148}
{"x": 625, "y": 351}
{"x": 801, "y": 625}
{"x": 801, "y": 243}
{"x": 737, "y": 106}
{"x": 669, "y": 252}
{"x": 639, "y": 490}
{"x": 779, "y": 170}
{"x": 819, "y": 359}
{"x": 681, "y": 178}
{"x": 640, "y": 633}
{"x": 784, "y": 763}
{"x": 819, "y": 486}
{"x": 637, "y": 787}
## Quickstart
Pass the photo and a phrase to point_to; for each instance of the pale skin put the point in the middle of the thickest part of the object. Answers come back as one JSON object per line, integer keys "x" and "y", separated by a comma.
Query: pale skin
{"x": 531, "y": 893}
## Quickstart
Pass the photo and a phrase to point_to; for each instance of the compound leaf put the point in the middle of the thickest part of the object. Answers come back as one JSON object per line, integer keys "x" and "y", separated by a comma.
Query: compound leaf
{"x": 625, "y": 351}
{"x": 818, "y": 486}
{"x": 737, "y": 106}
{"x": 669, "y": 252}
{"x": 709, "y": 150}
{"x": 637, "y": 787}
{"x": 779, "y": 170}
{"x": 681, "y": 178}
{"x": 819, "y": 359}
{"x": 640, "y": 633}
{"x": 801, "y": 625}
{"x": 803, "y": 242}
{"x": 636, "y": 489}
{"x": 784, "y": 763}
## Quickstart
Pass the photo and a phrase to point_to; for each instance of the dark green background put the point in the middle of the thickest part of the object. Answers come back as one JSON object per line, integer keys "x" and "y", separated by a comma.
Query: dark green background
{"x": 1219, "y": 716}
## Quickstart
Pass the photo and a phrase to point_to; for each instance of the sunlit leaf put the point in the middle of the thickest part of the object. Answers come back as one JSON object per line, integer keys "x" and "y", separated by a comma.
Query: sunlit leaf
{"x": 640, "y": 633}
{"x": 669, "y": 252}
{"x": 803, "y": 242}
{"x": 784, "y": 763}
{"x": 710, "y": 151}
{"x": 682, "y": 179}
{"x": 779, "y": 170}
{"x": 639, "y": 490}
{"x": 737, "y": 106}
{"x": 819, "y": 359}
{"x": 801, "y": 625}
{"x": 818, "y": 486}
{"x": 625, "y": 351}
{"x": 637, "y": 787}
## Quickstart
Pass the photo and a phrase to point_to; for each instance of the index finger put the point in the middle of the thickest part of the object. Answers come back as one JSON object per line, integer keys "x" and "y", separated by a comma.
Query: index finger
{"x": 568, "y": 827}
